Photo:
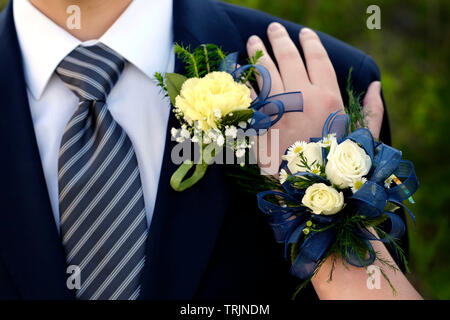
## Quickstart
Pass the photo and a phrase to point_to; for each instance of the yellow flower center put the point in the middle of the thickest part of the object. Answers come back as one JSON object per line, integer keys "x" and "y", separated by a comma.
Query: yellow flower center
{"x": 298, "y": 149}
{"x": 358, "y": 184}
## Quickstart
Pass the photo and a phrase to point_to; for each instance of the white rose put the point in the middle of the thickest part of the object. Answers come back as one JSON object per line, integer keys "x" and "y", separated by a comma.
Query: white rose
{"x": 313, "y": 154}
{"x": 347, "y": 163}
{"x": 323, "y": 199}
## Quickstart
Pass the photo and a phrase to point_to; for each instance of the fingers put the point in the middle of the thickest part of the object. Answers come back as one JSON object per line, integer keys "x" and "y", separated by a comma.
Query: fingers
{"x": 373, "y": 108}
{"x": 320, "y": 69}
{"x": 292, "y": 69}
{"x": 254, "y": 44}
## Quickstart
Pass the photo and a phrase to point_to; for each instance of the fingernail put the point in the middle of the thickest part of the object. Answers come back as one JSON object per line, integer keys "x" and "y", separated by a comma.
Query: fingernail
{"x": 253, "y": 40}
{"x": 378, "y": 84}
{"x": 274, "y": 26}
{"x": 306, "y": 30}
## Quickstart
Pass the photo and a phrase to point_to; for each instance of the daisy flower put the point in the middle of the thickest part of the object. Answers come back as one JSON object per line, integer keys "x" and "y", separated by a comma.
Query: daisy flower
{"x": 358, "y": 184}
{"x": 388, "y": 182}
{"x": 297, "y": 148}
{"x": 326, "y": 142}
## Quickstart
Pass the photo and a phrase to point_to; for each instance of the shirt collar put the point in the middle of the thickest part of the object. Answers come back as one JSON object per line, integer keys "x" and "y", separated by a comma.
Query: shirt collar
{"x": 142, "y": 35}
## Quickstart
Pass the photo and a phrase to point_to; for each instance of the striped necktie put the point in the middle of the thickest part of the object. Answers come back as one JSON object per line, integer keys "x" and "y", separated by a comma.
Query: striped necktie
{"x": 102, "y": 211}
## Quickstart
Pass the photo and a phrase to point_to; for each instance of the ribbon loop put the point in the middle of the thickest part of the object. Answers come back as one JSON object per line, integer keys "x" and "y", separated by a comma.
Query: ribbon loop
{"x": 265, "y": 107}
{"x": 337, "y": 123}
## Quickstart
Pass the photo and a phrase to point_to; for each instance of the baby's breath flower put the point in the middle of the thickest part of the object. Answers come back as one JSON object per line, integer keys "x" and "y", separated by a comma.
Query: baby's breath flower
{"x": 242, "y": 144}
{"x": 231, "y": 131}
{"x": 174, "y": 132}
{"x": 206, "y": 139}
{"x": 218, "y": 113}
{"x": 240, "y": 153}
{"x": 212, "y": 134}
{"x": 220, "y": 140}
{"x": 185, "y": 133}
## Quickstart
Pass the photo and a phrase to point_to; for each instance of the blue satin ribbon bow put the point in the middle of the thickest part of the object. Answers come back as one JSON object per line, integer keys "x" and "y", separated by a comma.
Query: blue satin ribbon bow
{"x": 288, "y": 221}
{"x": 264, "y": 107}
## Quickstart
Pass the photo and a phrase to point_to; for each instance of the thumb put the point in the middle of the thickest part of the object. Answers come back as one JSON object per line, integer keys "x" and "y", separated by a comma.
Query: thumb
{"x": 373, "y": 108}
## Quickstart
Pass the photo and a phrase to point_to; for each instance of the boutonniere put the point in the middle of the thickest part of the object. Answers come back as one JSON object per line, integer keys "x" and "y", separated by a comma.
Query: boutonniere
{"x": 213, "y": 104}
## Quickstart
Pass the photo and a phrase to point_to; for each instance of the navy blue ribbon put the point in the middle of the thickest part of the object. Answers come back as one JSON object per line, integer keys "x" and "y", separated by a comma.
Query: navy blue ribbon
{"x": 268, "y": 110}
{"x": 288, "y": 220}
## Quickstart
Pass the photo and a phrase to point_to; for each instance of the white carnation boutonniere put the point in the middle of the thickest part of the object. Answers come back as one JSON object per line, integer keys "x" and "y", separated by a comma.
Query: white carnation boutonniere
{"x": 210, "y": 105}
{"x": 213, "y": 105}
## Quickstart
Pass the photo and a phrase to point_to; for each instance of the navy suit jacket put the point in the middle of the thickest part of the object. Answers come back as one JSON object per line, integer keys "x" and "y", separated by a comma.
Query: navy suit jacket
{"x": 209, "y": 242}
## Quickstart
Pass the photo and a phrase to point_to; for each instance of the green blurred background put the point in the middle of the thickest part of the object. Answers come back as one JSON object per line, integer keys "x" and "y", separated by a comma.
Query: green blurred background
{"x": 412, "y": 51}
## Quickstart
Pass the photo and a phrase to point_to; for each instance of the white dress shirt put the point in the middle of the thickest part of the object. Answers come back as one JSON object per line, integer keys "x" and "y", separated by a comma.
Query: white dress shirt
{"x": 143, "y": 36}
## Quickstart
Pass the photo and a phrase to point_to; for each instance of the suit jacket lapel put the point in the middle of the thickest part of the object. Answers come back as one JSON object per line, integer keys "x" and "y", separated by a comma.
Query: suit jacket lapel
{"x": 30, "y": 247}
{"x": 185, "y": 225}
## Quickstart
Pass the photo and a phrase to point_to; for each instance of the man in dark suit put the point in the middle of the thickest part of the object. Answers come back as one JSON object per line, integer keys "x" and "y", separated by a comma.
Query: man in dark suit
{"x": 209, "y": 242}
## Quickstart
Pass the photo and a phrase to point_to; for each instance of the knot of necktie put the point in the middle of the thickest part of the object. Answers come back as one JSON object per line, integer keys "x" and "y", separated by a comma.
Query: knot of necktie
{"x": 91, "y": 72}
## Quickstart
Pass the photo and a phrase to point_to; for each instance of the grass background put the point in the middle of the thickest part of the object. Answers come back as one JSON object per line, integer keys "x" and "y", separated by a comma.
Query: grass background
{"x": 412, "y": 51}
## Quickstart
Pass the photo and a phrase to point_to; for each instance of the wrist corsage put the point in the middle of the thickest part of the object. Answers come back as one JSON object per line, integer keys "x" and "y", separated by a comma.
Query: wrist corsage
{"x": 335, "y": 195}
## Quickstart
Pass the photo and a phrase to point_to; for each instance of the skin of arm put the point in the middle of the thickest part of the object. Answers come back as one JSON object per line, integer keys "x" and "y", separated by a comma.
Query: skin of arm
{"x": 316, "y": 79}
{"x": 350, "y": 283}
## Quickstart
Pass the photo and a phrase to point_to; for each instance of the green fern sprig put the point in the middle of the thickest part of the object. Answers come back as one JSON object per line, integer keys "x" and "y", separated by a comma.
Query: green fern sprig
{"x": 354, "y": 108}
{"x": 209, "y": 57}
{"x": 191, "y": 64}
{"x": 249, "y": 76}
{"x": 204, "y": 59}
{"x": 159, "y": 79}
